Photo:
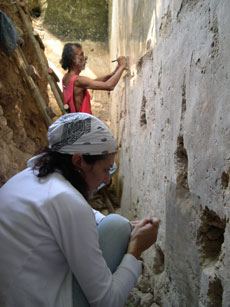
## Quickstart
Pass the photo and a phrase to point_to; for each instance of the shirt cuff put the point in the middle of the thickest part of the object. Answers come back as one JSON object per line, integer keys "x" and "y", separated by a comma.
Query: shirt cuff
{"x": 98, "y": 216}
{"x": 134, "y": 265}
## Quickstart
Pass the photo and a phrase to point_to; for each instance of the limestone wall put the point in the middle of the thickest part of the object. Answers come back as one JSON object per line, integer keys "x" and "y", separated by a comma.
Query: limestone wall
{"x": 171, "y": 116}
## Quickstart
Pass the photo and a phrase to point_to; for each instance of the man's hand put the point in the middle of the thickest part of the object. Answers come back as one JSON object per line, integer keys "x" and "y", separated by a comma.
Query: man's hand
{"x": 122, "y": 61}
{"x": 143, "y": 236}
{"x": 103, "y": 83}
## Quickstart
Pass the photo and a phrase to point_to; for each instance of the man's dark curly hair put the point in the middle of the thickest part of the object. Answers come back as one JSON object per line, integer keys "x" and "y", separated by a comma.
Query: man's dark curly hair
{"x": 67, "y": 55}
{"x": 52, "y": 161}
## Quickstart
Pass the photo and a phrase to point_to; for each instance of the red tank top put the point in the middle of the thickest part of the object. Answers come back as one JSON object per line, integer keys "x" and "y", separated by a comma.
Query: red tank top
{"x": 69, "y": 98}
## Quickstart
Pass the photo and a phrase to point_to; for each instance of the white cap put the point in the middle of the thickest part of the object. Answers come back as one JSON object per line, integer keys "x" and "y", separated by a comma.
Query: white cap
{"x": 81, "y": 133}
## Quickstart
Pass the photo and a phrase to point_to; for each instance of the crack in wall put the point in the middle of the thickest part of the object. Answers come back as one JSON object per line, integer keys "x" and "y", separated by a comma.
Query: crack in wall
{"x": 166, "y": 24}
{"x": 224, "y": 180}
{"x": 143, "y": 120}
{"x": 180, "y": 155}
{"x": 159, "y": 79}
{"x": 181, "y": 163}
{"x": 186, "y": 5}
{"x": 215, "y": 293}
{"x": 215, "y": 39}
{"x": 159, "y": 260}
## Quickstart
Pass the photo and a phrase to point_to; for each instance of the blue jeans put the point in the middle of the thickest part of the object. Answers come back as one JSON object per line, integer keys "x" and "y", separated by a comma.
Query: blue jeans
{"x": 114, "y": 233}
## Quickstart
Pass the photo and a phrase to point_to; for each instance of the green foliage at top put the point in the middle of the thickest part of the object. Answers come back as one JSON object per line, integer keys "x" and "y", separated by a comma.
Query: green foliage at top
{"x": 78, "y": 19}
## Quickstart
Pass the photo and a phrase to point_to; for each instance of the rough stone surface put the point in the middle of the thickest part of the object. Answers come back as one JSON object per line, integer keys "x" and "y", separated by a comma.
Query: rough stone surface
{"x": 172, "y": 124}
{"x": 146, "y": 300}
{"x": 22, "y": 128}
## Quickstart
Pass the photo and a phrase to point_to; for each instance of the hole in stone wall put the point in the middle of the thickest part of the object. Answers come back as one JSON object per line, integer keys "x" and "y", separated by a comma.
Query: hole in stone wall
{"x": 143, "y": 120}
{"x": 159, "y": 78}
{"x": 183, "y": 105}
{"x": 36, "y": 12}
{"x": 210, "y": 236}
{"x": 224, "y": 180}
{"x": 159, "y": 260}
{"x": 215, "y": 293}
{"x": 181, "y": 163}
{"x": 139, "y": 64}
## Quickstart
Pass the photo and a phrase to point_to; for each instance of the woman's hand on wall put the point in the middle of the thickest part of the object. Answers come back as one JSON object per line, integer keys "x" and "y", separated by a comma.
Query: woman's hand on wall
{"x": 144, "y": 235}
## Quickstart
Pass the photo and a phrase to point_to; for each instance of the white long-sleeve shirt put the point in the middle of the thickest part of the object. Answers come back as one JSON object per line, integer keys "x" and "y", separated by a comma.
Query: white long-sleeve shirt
{"x": 47, "y": 232}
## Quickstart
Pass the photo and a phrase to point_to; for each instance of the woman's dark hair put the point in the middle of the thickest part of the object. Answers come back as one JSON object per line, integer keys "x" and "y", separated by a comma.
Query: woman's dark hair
{"x": 67, "y": 55}
{"x": 51, "y": 161}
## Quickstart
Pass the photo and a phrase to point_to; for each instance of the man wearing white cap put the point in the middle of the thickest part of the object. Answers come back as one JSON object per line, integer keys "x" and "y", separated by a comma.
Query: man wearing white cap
{"x": 55, "y": 250}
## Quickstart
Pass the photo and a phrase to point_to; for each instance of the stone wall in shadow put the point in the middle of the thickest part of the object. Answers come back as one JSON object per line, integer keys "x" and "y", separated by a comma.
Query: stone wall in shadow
{"x": 78, "y": 20}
